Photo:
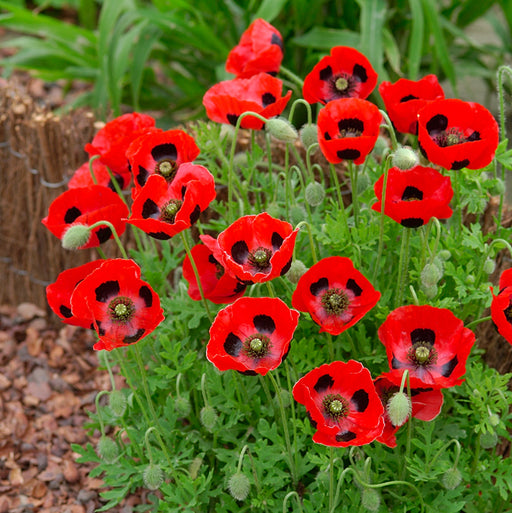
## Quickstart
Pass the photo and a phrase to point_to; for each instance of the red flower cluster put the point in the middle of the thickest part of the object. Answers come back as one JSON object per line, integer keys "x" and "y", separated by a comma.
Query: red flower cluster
{"x": 348, "y": 129}
{"x": 501, "y": 306}
{"x": 260, "y": 50}
{"x": 345, "y": 73}
{"x": 342, "y": 404}
{"x": 335, "y": 294}
{"x": 414, "y": 196}
{"x": 110, "y": 297}
{"x": 252, "y": 335}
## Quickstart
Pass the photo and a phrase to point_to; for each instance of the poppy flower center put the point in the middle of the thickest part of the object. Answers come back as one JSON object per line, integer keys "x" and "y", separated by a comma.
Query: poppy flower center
{"x": 335, "y": 301}
{"x": 342, "y": 85}
{"x": 167, "y": 168}
{"x": 121, "y": 309}
{"x": 260, "y": 258}
{"x": 335, "y": 406}
{"x": 257, "y": 346}
{"x": 169, "y": 211}
{"x": 422, "y": 354}
{"x": 450, "y": 137}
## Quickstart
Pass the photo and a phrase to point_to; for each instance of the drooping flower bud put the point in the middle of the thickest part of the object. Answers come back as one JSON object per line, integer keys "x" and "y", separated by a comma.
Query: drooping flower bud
{"x": 239, "y": 486}
{"x": 194, "y": 467}
{"x": 107, "y": 449}
{"x": 489, "y": 266}
{"x": 117, "y": 403}
{"x": 488, "y": 440}
{"x": 451, "y": 478}
{"x": 430, "y": 292}
{"x": 430, "y": 275}
{"x": 314, "y": 194}
{"x": 153, "y": 477}
{"x": 297, "y": 269}
{"x": 76, "y": 236}
{"x": 297, "y": 214}
{"x": 281, "y": 129}
{"x": 444, "y": 254}
{"x": 370, "y": 499}
{"x": 405, "y": 158}
{"x": 182, "y": 406}
{"x": 208, "y": 417}
{"x": 309, "y": 135}
{"x": 399, "y": 408}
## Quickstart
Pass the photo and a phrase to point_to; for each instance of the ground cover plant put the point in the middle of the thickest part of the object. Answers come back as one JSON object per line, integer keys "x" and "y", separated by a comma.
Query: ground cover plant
{"x": 294, "y": 316}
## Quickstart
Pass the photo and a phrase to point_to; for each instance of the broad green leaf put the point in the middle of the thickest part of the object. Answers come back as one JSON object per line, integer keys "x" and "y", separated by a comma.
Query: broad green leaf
{"x": 472, "y": 10}
{"x": 416, "y": 39}
{"x": 391, "y": 50}
{"x": 325, "y": 38}
{"x": 269, "y": 9}
{"x": 373, "y": 14}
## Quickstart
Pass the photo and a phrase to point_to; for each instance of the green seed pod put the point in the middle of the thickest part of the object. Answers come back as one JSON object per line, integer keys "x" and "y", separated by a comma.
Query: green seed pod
{"x": 405, "y": 158}
{"x": 309, "y": 135}
{"x": 281, "y": 129}
{"x": 297, "y": 269}
{"x": 370, "y": 499}
{"x": 117, "y": 403}
{"x": 208, "y": 417}
{"x": 107, "y": 449}
{"x": 430, "y": 275}
{"x": 451, "y": 478}
{"x": 153, "y": 477}
{"x": 488, "y": 440}
{"x": 314, "y": 194}
{"x": 76, "y": 236}
{"x": 239, "y": 486}
{"x": 489, "y": 266}
{"x": 399, "y": 408}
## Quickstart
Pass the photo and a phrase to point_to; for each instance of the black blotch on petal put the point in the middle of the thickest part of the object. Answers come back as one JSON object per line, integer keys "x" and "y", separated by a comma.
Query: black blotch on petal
{"x": 119, "y": 180}
{"x": 106, "y": 290}
{"x": 327, "y": 137}
{"x": 183, "y": 191}
{"x": 240, "y": 286}
{"x": 396, "y": 363}
{"x": 408, "y": 98}
{"x": 240, "y": 252}
{"x": 264, "y": 323}
{"x": 276, "y": 40}
{"x": 354, "y": 287}
{"x": 361, "y": 400}
{"x": 351, "y": 124}
{"x": 232, "y": 118}
{"x": 286, "y": 268}
{"x": 412, "y": 222}
{"x": 417, "y": 391}
{"x": 313, "y": 423}
{"x": 412, "y": 193}
{"x": 72, "y": 214}
{"x": 101, "y": 331}
{"x": 326, "y": 73}
{"x": 347, "y": 436}
{"x": 212, "y": 259}
{"x": 248, "y": 373}
{"x": 423, "y": 335}
{"x": 318, "y": 286}
{"x": 438, "y": 123}
{"x": 130, "y": 339}
{"x": 348, "y": 154}
{"x": 164, "y": 151}
{"x": 233, "y": 345}
{"x": 194, "y": 215}
{"x": 277, "y": 241}
{"x": 103, "y": 234}
{"x": 65, "y": 311}
{"x": 149, "y": 209}
{"x": 360, "y": 72}
{"x": 459, "y": 164}
{"x": 323, "y": 383}
{"x": 145, "y": 294}
{"x": 448, "y": 367}
{"x": 267, "y": 99}
{"x": 422, "y": 150}
{"x": 159, "y": 235}
{"x": 475, "y": 136}
{"x": 142, "y": 176}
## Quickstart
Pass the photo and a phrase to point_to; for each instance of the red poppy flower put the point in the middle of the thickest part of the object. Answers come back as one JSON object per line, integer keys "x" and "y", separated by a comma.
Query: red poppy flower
{"x": 335, "y": 294}
{"x": 426, "y": 405}
{"x": 86, "y": 206}
{"x": 255, "y": 248}
{"x": 159, "y": 152}
{"x": 348, "y": 129}
{"x": 82, "y": 176}
{"x": 345, "y": 73}
{"x": 342, "y": 404}
{"x": 162, "y": 210}
{"x": 123, "y": 308}
{"x": 252, "y": 335}
{"x": 405, "y": 98}
{"x": 501, "y": 306}
{"x": 112, "y": 141}
{"x": 415, "y": 195}
{"x": 430, "y": 342}
{"x": 260, "y": 50}
{"x": 261, "y": 93}
{"x": 58, "y": 294}
{"x": 456, "y": 134}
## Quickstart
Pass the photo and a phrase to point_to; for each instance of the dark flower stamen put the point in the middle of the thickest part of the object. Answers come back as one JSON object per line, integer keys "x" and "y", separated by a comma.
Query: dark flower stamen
{"x": 169, "y": 211}
{"x": 257, "y": 346}
{"x": 335, "y": 406}
{"x": 335, "y": 301}
{"x": 260, "y": 258}
{"x": 121, "y": 309}
{"x": 342, "y": 85}
{"x": 422, "y": 354}
{"x": 450, "y": 137}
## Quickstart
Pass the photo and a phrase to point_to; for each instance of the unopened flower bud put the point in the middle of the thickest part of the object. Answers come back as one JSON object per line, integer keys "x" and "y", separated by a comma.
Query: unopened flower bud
{"x": 498, "y": 187}
{"x": 430, "y": 292}
{"x": 470, "y": 279}
{"x": 297, "y": 214}
{"x": 273, "y": 209}
{"x": 239, "y": 486}
{"x": 309, "y": 135}
{"x": 488, "y": 440}
{"x": 117, "y": 403}
{"x": 285, "y": 398}
{"x": 208, "y": 417}
{"x": 153, "y": 477}
{"x": 489, "y": 266}
{"x": 281, "y": 129}
{"x": 297, "y": 269}
{"x": 494, "y": 419}
{"x": 399, "y": 408}
{"x": 107, "y": 449}
{"x": 363, "y": 183}
{"x": 430, "y": 275}
{"x": 444, "y": 254}
{"x": 315, "y": 194}
{"x": 227, "y": 131}
{"x": 240, "y": 160}
{"x": 370, "y": 499}
{"x": 380, "y": 148}
{"x": 194, "y": 467}
{"x": 451, "y": 478}
{"x": 76, "y": 236}
{"x": 182, "y": 406}
{"x": 405, "y": 158}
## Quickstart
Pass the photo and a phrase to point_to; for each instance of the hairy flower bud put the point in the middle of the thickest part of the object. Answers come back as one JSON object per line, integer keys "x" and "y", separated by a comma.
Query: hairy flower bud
{"x": 239, "y": 486}
{"x": 117, "y": 403}
{"x": 208, "y": 417}
{"x": 405, "y": 158}
{"x": 370, "y": 499}
{"x": 153, "y": 477}
{"x": 489, "y": 266}
{"x": 444, "y": 254}
{"x": 430, "y": 292}
{"x": 430, "y": 275}
{"x": 309, "y": 135}
{"x": 297, "y": 269}
{"x": 76, "y": 236}
{"x": 297, "y": 214}
{"x": 227, "y": 131}
{"x": 315, "y": 194}
{"x": 399, "y": 408}
{"x": 281, "y": 129}
{"x": 451, "y": 478}
{"x": 488, "y": 440}
{"x": 182, "y": 406}
{"x": 380, "y": 148}
{"x": 107, "y": 449}
{"x": 194, "y": 467}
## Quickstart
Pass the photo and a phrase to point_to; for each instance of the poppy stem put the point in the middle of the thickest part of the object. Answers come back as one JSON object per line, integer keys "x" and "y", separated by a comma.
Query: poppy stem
{"x": 381, "y": 223}
{"x": 97, "y": 402}
{"x": 308, "y": 110}
{"x": 292, "y": 76}
{"x": 196, "y": 274}
{"x": 389, "y": 126}
{"x": 331, "y": 478}
{"x": 352, "y": 170}
{"x": 341, "y": 205}
{"x": 114, "y": 233}
{"x": 93, "y": 176}
{"x": 403, "y": 265}
{"x": 285, "y": 501}
{"x": 311, "y": 241}
{"x": 476, "y": 322}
